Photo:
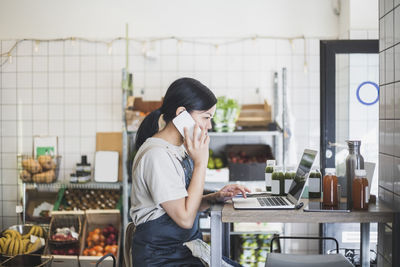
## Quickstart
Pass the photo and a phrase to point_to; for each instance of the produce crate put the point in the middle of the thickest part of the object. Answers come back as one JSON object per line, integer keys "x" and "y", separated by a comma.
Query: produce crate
{"x": 84, "y": 199}
{"x": 64, "y": 219}
{"x": 247, "y": 162}
{"x": 33, "y": 199}
{"x": 100, "y": 219}
{"x": 254, "y": 116}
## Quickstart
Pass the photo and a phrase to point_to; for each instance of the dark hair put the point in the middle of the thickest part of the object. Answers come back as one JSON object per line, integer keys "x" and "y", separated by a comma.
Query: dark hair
{"x": 184, "y": 92}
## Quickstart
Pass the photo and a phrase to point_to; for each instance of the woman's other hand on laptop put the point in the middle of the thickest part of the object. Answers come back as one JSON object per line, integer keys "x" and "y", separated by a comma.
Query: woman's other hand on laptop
{"x": 229, "y": 191}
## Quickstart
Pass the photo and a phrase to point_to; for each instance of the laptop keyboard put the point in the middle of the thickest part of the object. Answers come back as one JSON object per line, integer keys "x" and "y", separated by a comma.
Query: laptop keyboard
{"x": 272, "y": 201}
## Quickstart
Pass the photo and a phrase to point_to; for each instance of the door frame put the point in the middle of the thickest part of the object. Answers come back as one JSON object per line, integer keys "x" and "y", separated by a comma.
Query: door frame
{"x": 328, "y": 51}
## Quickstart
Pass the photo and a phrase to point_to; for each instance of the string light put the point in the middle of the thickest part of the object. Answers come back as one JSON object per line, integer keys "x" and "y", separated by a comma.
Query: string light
{"x": 145, "y": 43}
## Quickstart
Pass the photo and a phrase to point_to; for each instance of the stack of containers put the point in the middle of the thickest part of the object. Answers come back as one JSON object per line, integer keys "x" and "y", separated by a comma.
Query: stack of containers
{"x": 254, "y": 249}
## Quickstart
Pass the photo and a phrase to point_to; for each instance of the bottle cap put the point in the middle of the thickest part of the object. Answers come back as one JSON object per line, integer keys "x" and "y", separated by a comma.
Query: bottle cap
{"x": 330, "y": 170}
{"x": 270, "y": 162}
{"x": 83, "y": 160}
{"x": 360, "y": 173}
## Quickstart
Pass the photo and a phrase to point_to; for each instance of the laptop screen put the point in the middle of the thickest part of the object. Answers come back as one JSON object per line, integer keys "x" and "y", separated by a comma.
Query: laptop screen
{"x": 306, "y": 162}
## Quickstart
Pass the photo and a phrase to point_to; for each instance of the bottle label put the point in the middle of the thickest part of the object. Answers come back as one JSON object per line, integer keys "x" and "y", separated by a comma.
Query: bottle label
{"x": 288, "y": 184}
{"x": 268, "y": 179}
{"x": 366, "y": 194}
{"x": 275, "y": 184}
{"x": 314, "y": 185}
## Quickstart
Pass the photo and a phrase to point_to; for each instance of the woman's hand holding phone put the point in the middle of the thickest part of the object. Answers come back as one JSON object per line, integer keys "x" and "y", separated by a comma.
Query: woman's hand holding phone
{"x": 198, "y": 148}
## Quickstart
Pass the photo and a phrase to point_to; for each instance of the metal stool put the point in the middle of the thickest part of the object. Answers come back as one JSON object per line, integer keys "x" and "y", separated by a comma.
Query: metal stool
{"x": 315, "y": 260}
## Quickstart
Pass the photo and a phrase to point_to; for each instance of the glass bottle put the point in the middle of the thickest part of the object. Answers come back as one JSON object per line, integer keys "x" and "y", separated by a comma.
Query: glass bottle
{"x": 289, "y": 176}
{"x": 330, "y": 187}
{"x": 314, "y": 183}
{"x": 354, "y": 161}
{"x": 268, "y": 174}
{"x": 360, "y": 190}
{"x": 277, "y": 181}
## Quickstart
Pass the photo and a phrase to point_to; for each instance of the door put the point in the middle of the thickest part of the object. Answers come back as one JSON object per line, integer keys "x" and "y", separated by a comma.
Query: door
{"x": 349, "y": 111}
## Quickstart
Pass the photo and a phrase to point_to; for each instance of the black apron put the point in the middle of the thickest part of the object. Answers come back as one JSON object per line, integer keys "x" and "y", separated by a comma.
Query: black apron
{"x": 159, "y": 242}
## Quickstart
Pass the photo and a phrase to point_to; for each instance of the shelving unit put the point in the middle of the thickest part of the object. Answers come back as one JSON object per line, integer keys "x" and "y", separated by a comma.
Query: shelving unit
{"x": 54, "y": 187}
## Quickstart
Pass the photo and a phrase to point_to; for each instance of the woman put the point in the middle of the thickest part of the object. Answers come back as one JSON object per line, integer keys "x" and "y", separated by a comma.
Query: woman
{"x": 168, "y": 178}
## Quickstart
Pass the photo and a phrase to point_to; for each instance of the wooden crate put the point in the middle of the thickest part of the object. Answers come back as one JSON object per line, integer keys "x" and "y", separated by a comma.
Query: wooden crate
{"x": 254, "y": 115}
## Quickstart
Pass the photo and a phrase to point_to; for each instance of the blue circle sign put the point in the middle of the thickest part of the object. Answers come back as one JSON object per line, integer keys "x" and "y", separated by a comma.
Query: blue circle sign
{"x": 358, "y": 93}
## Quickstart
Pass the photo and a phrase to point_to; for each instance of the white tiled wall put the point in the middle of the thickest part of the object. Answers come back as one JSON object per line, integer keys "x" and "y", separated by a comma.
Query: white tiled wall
{"x": 72, "y": 90}
{"x": 389, "y": 126}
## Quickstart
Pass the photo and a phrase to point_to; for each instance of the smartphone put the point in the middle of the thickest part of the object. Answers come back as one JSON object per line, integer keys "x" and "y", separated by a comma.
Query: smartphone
{"x": 184, "y": 119}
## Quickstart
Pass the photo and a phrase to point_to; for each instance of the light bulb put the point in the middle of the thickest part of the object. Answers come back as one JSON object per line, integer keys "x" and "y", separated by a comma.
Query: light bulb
{"x": 36, "y": 48}
{"x": 9, "y": 58}
{"x": 179, "y": 43}
{"x": 291, "y": 43}
{"x": 144, "y": 47}
{"x": 216, "y": 49}
{"x": 109, "y": 48}
{"x": 73, "y": 41}
{"x": 254, "y": 40}
{"x": 305, "y": 68}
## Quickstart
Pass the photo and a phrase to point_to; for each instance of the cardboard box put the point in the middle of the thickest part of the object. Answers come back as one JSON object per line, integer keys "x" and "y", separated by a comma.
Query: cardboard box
{"x": 33, "y": 199}
{"x": 111, "y": 141}
{"x": 100, "y": 219}
{"x": 137, "y": 103}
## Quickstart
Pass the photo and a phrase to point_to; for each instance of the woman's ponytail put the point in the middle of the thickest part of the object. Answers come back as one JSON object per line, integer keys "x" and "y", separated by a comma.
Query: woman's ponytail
{"x": 147, "y": 128}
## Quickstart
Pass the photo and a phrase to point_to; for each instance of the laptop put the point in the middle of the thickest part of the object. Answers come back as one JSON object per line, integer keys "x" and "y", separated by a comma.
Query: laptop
{"x": 266, "y": 201}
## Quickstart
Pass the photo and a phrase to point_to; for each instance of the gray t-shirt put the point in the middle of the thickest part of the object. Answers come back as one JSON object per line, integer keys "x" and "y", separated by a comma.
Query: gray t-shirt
{"x": 157, "y": 178}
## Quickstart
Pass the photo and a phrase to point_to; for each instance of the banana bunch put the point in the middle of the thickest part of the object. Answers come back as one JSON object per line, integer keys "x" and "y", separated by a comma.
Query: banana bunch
{"x": 35, "y": 230}
{"x": 13, "y": 243}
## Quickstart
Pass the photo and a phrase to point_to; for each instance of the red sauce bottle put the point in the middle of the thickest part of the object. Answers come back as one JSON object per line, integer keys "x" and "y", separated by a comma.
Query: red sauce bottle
{"x": 360, "y": 190}
{"x": 330, "y": 184}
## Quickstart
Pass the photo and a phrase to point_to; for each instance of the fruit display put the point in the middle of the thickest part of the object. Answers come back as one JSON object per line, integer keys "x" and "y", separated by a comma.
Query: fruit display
{"x": 214, "y": 162}
{"x": 65, "y": 250}
{"x": 65, "y": 234}
{"x": 13, "y": 243}
{"x": 85, "y": 199}
{"x": 102, "y": 241}
{"x": 42, "y": 170}
{"x": 243, "y": 157}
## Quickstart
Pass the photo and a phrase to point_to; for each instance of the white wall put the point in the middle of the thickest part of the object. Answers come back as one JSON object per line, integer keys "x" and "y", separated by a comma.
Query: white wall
{"x": 105, "y": 18}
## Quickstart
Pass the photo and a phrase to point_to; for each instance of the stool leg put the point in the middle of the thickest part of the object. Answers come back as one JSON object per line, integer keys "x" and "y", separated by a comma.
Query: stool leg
{"x": 364, "y": 245}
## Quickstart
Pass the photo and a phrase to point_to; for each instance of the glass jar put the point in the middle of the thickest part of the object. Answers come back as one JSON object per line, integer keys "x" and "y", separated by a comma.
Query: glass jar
{"x": 330, "y": 187}
{"x": 314, "y": 183}
{"x": 269, "y": 169}
{"x": 277, "y": 181}
{"x": 360, "y": 190}
{"x": 290, "y": 174}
